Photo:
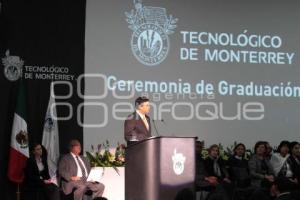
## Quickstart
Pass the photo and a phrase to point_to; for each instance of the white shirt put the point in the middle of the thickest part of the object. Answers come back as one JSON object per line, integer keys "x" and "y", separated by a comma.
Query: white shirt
{"x": 79, "y": 173}
{"x": 289, "y": 172}
{"x": 143, "y": 118}
{"x": 238, "y": 157}
{"x": 39, "y": 164}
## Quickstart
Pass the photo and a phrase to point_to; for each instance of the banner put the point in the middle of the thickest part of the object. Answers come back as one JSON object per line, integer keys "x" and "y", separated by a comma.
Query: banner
{"x": 40, "y": 43}
{"x": 19, "y": 150}
{"x": 51, "y": 138}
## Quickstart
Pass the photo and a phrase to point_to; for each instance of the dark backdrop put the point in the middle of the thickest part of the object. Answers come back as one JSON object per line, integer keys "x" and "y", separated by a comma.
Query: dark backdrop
{"x": 42, "y": 33}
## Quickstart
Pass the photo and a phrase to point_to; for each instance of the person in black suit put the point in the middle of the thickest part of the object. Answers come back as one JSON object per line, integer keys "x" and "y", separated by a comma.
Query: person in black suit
{"x": 238, "y": 167}
{"x": 137, "y": 126}
{"x": 239, "y": 173}
{"x": 37, "y": 179}
{"x": 294, "y": 161}
{"x": 205, "y": 184}
{"x": 215, "y": 168}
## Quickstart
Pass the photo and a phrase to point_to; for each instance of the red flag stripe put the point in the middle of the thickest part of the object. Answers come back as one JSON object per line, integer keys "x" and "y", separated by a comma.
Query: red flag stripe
{"x": 17, "y": 163}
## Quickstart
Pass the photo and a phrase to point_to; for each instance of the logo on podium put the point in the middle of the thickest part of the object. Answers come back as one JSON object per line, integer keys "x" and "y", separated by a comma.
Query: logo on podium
{"x": 178, "y": 162}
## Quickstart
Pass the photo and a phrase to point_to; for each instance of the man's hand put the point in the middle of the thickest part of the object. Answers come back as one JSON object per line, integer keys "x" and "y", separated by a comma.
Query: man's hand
{"x": 212, "y": 180}
{"x": 270, "y": 178}
{"x": 75, "y": 178}
{"x": 47, "y": 181}
{"x": 227, "y": 180}
{"x": 295, "y": 180}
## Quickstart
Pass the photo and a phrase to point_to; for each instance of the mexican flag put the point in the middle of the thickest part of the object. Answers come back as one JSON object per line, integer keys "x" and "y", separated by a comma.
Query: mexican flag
{"x": 19, "y": 150}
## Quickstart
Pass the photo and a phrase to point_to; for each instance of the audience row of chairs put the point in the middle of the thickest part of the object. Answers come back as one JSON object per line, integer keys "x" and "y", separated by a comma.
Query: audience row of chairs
{"x": 266, "y": 175}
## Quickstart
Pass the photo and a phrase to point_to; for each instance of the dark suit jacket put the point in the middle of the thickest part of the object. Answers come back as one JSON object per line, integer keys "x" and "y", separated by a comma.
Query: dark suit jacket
{"x": 67, "y": 168}
{"x": 134, "y": 126}
{"x": 239, "y": 172}
{"x": 209, "y": 167}
{"x": 34, "y": 177}
{"x": 295, "y": 167}
{"x": 201, "y": 183}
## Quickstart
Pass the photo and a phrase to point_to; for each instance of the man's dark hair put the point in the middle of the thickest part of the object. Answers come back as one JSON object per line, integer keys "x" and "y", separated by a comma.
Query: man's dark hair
{"x": 140, "y": 100}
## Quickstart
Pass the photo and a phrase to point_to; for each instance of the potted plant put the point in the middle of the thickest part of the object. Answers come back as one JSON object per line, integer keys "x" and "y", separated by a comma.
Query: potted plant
{"x": 105, "y": 157}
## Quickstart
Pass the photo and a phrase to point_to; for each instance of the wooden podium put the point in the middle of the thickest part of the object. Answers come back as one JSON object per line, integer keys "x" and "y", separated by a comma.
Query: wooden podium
{"x": 160, "y": 168}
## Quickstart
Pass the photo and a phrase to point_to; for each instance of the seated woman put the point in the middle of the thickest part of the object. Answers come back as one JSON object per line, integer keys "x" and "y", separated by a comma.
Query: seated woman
{"x": 282, "y": 163}
{"x": 294, "y": 162}
{"x": 239, "y": 173}
{"x": 216, "y": 170}
{"x": 203, "y": 181}
{"x": 261, "y": 172}
{"x": 238, "y": 167}
{"x": 37, "y": 175}
{"x": 279, "y": 160}
{"x": 215, "y": 166}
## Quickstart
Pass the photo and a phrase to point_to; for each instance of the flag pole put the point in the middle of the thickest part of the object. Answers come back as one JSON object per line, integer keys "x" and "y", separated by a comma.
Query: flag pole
{"x": 18, "y": 194}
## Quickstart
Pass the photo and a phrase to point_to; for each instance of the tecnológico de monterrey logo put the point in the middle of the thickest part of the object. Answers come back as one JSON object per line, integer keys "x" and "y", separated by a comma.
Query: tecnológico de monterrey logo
{"x": 151, "y": 26}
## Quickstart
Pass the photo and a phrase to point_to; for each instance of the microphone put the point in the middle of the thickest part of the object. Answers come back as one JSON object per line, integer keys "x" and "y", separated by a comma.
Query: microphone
{"x": 155, "y": 128}
{"x": 165, "y": 124}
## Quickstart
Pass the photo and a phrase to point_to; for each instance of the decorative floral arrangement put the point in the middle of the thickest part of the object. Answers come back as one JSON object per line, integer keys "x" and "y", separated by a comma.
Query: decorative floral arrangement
{"x": 104, "y": 157}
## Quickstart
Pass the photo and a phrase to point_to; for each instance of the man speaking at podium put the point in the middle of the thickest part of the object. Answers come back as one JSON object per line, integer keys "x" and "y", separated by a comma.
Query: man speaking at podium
{"x": 137, "y": 125}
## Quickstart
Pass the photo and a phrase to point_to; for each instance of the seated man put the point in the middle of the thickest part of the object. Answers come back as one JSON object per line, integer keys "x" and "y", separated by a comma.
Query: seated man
{"x": 74, "y": 170}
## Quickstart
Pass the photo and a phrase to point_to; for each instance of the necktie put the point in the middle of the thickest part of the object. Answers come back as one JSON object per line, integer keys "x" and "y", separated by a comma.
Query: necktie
{"x": 82, "y": 169}
{"x": 145, "y": 122}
